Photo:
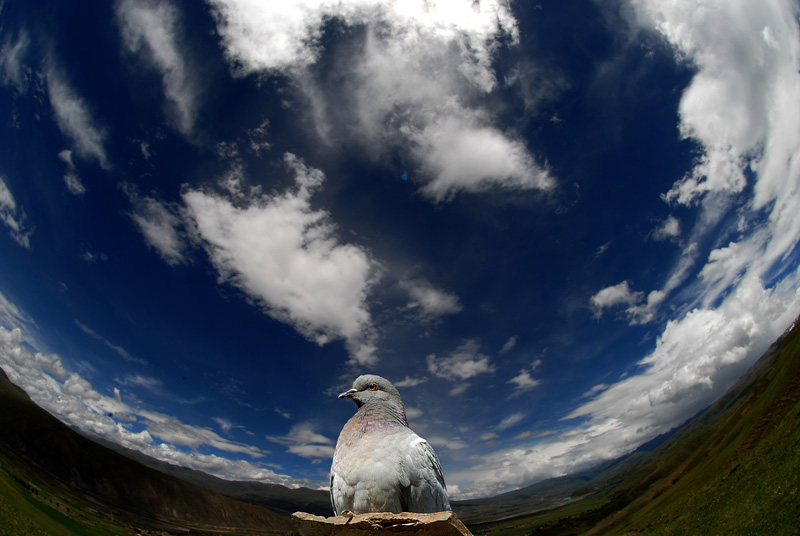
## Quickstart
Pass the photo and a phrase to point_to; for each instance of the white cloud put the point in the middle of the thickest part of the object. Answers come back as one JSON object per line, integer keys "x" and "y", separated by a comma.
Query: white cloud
{"x": 462, "y": 154}
{"x": 450, "y": 443}
{"x": 408, "y": 381}
{"x": 619, "y": 294}
{"x": 71, "y": 177}
{"x": 283, "y": 253}
{"x": 511, "y": 421}
{"x": 463, "y": 363}
{"x": 523, "y": 382}
{"x": 509, "y": 344}
{"x": 418, "y": 65}
{"x": 151, "y": 29}
{"x": 668, "y": 230}
{"x": 260, "y": 36}
{"x": 428, "y": 301}
{"x": 599, "y": 388}
{"x": 15, "y": 72}
{"x": 459, "y": 389}
{"x": 118, "y": 349}
{"x": 161, "y": 225}
{"x": 12, "y": 316}
{"x": 12, "y": 218}
{"x": 75, "y": 119}
{"x": 413, "y": 413}
{"x": 303, "y": 440}
{"x": 746, "y": 59}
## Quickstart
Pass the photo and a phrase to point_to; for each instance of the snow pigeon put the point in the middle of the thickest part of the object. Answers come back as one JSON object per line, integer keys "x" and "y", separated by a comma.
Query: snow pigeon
{"x": 380, "y": 464}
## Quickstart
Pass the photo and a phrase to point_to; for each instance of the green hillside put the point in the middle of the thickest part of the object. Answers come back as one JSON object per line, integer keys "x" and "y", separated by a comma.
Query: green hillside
{"x": 734, "y": 470}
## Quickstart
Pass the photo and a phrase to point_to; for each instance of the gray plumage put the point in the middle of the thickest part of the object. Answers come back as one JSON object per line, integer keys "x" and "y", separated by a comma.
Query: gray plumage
{"x": 380, "y": 464}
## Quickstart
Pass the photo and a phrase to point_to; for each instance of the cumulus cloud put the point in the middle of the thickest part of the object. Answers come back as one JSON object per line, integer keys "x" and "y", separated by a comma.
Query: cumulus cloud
{"x": 417, "y": 68}
{"x": 619, "y": 294}
{"x": 429, "y": 302}
{"x": 152, "y": 30}
{"x": 283, "y": 253}
{"x": 463, "y": 363}
{"x": 12, "y": 218}
{"x": 461, "y": 154}
{"x": 75, "y": 119}
{"x": 741, "y": 92}
{"x": 303, "y": 440}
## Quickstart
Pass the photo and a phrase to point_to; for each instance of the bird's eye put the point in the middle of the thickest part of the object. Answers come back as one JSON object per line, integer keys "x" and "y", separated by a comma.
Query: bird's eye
{"x": 373, "y": 387}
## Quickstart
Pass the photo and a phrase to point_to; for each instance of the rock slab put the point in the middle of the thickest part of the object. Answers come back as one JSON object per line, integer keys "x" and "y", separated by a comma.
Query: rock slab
{"x": 383, "y": 523}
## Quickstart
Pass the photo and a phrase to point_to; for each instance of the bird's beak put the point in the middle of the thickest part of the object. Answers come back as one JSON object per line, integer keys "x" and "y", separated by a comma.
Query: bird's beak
{"x": 348, "y": 394}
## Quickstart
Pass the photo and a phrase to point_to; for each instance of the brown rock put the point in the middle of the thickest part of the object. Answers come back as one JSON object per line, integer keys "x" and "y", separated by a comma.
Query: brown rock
{"x": 384, "y": 523}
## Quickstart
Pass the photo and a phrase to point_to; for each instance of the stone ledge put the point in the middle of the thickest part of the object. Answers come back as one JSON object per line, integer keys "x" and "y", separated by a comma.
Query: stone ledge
{"x": 406, "y": 523}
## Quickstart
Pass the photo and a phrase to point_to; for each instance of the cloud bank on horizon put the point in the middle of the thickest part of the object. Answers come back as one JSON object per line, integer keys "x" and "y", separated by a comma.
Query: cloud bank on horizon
{"x": 423, "y": 76}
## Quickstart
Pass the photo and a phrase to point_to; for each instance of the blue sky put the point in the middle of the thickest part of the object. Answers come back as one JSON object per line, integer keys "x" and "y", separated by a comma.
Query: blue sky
{"x": 560, "y": 229}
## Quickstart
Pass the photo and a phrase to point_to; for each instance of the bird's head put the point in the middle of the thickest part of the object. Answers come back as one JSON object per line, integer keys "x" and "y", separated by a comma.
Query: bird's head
{"x": 374, "y": 391}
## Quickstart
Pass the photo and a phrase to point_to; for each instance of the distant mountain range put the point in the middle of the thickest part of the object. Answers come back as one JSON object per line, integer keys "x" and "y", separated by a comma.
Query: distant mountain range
{"x": 39, "y": 452}
{"x": 734, "y": 469}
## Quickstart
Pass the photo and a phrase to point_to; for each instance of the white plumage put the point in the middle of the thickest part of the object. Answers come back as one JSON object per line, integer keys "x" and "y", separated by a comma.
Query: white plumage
{"x": 380, "y": 464}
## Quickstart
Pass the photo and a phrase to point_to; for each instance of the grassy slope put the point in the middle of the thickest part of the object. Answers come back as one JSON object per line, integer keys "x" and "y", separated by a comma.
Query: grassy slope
{"x": 24, "y": 513}
{"x": 742, "y": 477}
{"x": 735, "y": 470}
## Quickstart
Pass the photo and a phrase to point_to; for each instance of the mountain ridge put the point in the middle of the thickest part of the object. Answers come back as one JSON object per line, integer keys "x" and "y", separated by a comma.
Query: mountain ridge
{"x": 43, "y": 449}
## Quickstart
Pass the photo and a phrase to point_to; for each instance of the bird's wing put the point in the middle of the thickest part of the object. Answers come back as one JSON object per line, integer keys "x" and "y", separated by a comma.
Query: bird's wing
{"x": 333, "y": 493}
{"x": 426, "y": 491}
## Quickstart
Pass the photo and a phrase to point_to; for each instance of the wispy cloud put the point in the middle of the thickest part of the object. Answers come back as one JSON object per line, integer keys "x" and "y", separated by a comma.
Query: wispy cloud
{"x": 509, "y": 344}
{"x": 15, "y": 72}
{"x": 303, "y": 440}
{"x": 669, "y": 229}
{"x": 71, "y": 177}
{"x": 118, "y": 349}
{"x": 524, "y": 381}
{"x": 511, "y": 421}
{"x": 75, "y": 118}
{"x": 152, "y": 30}
{"x": 161, "y": 225}
{"x": 463, "y": 363}
{"x": 408, "y": 381}
{"x": 429, "y": 302}
{"x": 300, "y": 272}
{"x": 226, "y": 424}
{"x": 12, "y": 217}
